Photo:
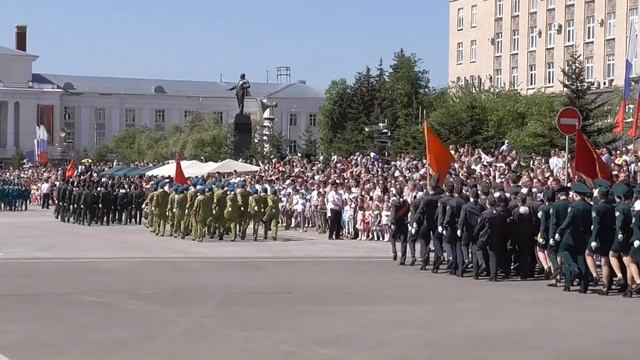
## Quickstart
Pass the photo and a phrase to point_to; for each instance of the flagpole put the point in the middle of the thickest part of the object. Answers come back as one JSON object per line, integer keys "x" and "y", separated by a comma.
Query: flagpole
{"x": 426, "y": 147}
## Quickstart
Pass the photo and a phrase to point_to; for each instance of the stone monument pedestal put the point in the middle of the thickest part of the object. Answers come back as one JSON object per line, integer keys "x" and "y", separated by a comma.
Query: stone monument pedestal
{"x": 242, "y": 135}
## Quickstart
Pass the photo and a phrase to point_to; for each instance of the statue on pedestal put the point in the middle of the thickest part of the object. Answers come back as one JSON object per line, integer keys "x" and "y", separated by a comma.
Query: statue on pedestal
{"x": 242, "y": 91}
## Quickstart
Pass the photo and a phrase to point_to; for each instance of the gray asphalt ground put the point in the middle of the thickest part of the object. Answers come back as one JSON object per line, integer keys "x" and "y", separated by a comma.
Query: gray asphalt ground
{"x": 120, "y": 293}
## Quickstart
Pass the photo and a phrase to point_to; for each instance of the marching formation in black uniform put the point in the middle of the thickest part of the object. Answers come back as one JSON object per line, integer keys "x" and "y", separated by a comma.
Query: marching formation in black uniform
{"x": 494, "y": 232}
{"x": 90, "y": 202}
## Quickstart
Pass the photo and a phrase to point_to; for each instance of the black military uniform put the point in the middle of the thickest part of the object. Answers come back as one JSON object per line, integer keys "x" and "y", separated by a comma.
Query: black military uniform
{"x": 416, "y": 225}
{"x": 87, "y": 206}
{"x": 544, "y": 215}
{"x": 69, "y": 205}
{"x": 489, "y": 232}
{"x": 122, "y": 205}
{"x": 62, "y": 200}
{"x": 138, "y": 202}
{"x": 61, "y": 194}
{"x": 452, "y": 217}
{"x": 77, "y": 202}
{"x": 534, "y": 206}
{"x": 105, "y": 206}
{"x": 400, "y": 227}
{"x": 428, "y": 210}
{"x": 469, "y": 215}
{"x": 439, "y": 240}
{"x": 522, "y": 222}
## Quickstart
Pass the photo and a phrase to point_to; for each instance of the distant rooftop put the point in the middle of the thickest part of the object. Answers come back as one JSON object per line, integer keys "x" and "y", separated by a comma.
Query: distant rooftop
{"x": 114, "y": 85}
{"x": 9, "y": 51}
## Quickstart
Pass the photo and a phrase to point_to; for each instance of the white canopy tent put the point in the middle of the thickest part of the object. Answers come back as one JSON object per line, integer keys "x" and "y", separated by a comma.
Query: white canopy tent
{"x": 170, "y": 169}
{"x": 229, "y": 166}
{"x": 201, "y": 169}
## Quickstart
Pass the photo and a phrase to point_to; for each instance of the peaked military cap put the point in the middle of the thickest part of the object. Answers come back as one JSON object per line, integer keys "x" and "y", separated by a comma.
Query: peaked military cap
{"x": 580, "y": 188}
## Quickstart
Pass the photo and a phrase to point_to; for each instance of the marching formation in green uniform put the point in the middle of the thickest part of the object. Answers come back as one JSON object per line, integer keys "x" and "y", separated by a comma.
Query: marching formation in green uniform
{"x": 14, "y": 197}
{"x": 212, "y": 211}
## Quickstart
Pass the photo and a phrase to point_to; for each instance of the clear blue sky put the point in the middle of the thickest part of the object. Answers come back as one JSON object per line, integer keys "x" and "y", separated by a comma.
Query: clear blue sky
{"x": 200, "y": 39}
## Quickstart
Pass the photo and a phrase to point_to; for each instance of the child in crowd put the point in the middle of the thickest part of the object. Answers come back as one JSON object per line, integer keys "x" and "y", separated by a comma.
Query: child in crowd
{"x": 367, "y": 220}
{"x": 360, "y": 219}
{"x": 347, "y": 218}
{"x": 376, "y": 223}
{"x": 386, "y": 221}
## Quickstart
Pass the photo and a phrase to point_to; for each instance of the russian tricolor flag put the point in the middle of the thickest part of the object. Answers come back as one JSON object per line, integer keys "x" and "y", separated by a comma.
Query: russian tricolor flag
{"x": 41, "y": 145}
{"x": 628, "y": 85}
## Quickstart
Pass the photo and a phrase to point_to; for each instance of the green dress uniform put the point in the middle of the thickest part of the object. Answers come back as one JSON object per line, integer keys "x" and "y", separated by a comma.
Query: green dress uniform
{"x": 197, "y": 210}
{"x": 557, "y": 214}
{"x": 624, "y": 230}
{"x": 202, "y": 211}
{"x": 544, "y": 214}
{"x": 171, "y": 211}
{"x": 634, "y": 242}
{"x": 272, "y": 214}
{"x": 574, "y": 234}
{"x": 180, "y": 212}
{"x": 151, "y": 216}
{"x": 232, "y": 214}
{"x": 256, "y": 213}
{"x": 160, "y": 204}
{"x": 245, "y": 216}
{"x": 189, "y": 220}
{"x": 219, "y": 205}
{"x": 604, "y": 225}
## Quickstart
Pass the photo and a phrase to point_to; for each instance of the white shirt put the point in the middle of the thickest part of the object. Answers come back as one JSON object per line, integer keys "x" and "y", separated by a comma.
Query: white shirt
{"x": 334, "y": 200}
{"x": 45, "y": 188}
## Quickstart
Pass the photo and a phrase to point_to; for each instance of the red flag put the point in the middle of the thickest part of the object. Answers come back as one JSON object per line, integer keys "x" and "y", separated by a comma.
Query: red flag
{"x": 633, "y": 132}
{"x": 71, "y": 169}
{"x": 179, "y": 177}
{"x": 439, "y": 159}
{"x": 618, "y": 127}
{"x": 588, "y": 162}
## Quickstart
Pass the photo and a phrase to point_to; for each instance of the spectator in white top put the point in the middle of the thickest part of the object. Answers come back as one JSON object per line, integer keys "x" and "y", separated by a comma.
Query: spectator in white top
{"x": 45, "y": 190}
{"x": 334, "y": 204}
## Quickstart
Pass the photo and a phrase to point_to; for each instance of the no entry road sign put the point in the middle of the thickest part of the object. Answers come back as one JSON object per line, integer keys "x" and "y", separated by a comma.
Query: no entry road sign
{"x": 569, "y": 121}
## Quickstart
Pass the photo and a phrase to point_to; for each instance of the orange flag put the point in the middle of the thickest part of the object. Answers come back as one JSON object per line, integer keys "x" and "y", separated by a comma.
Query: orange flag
{"x": 633, "y": 132}
{"x": 179, "y": 177}
{"x": 439, "y": 159}
{"x": 71, "y": 169}
{"x": 618, "y": 128}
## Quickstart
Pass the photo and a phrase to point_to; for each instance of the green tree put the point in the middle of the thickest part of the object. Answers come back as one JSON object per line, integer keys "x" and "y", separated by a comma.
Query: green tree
{"x": 333, "y": 117}
{"x": 408, "y": 86}
{"x": 277, "y": 145}
{"x": 460, "y": 118}
{"x": 539, "y": 134}
{"x": 578, "y": 93}
{"x": 360, "y": 112}
{"x": 17, "y": 160}
{"x": 200, "y": 136}
{"x": 309, "y": 147}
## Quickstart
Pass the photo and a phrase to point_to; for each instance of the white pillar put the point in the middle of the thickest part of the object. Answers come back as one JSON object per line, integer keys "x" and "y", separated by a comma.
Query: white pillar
{"x": 10, "y": 126}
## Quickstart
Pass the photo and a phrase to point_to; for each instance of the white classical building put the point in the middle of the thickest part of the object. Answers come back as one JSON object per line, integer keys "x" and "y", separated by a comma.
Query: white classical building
{"x": 93, "y": 109}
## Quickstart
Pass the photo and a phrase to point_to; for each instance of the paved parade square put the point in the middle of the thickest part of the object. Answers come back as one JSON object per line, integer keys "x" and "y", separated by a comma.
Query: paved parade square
{"x": 71, "y": 292}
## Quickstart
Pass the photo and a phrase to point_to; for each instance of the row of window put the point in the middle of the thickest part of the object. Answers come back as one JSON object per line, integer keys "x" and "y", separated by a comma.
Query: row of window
{"x": 533, "y": 6}
{"x": 552, "y": 30}
{"x": 550, "y": 72}
{"x": 100, "y": 117}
